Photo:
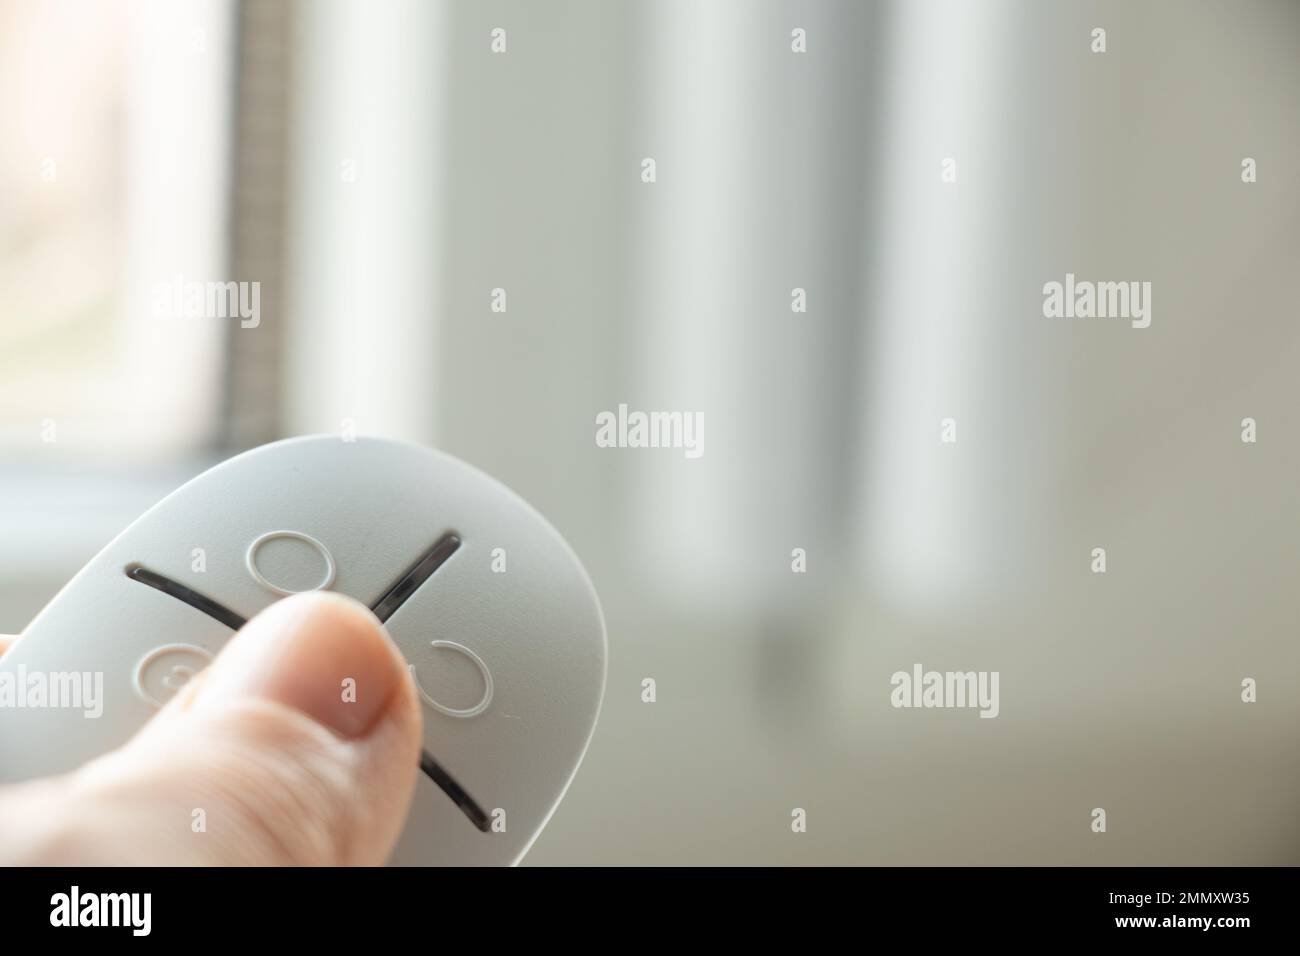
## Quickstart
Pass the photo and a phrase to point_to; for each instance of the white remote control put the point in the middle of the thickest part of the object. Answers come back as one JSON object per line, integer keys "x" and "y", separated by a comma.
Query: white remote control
{"x": 493, "y": 611}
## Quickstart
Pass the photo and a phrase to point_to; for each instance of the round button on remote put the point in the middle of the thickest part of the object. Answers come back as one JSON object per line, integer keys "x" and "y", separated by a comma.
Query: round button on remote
{"x": 162, "y": 672}
{"x": 288, "y": 562}
{"x": 451, "y": 680}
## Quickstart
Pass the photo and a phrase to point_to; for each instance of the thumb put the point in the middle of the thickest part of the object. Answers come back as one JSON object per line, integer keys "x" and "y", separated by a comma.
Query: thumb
{"x": 298, "y": 745}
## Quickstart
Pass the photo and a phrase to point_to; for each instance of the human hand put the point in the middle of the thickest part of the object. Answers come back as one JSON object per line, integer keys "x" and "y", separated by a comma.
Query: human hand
{"x": 285, "y": 769}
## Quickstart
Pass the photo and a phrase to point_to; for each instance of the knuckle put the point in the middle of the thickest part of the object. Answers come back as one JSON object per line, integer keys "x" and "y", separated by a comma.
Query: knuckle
{"x": 283, "y": 782}
{"x": 276, "y": 789}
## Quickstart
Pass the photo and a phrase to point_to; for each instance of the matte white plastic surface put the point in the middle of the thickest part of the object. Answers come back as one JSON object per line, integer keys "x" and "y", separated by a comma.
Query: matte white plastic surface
{"x": 510, "y": 666}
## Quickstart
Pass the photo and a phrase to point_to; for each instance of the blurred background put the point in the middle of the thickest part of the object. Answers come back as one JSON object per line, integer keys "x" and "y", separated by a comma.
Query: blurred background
{"x": 379, "y": 170}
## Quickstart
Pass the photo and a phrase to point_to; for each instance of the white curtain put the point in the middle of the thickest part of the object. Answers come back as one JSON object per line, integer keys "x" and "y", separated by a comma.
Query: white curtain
{"x": 823, "y": 170}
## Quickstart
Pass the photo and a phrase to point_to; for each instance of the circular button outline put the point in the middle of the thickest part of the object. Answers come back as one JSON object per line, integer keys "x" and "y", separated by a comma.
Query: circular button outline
{"x": 478, "y": 708}
{"x": 250, "y": 560}
{"x": 137, "y": 678}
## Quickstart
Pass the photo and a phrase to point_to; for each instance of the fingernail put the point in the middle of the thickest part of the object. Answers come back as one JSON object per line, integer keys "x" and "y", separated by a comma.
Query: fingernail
{"x": 320, "y": 653}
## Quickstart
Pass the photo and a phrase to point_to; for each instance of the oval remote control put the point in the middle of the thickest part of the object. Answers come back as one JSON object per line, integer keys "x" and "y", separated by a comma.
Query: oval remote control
{"x": 495, "y": 615}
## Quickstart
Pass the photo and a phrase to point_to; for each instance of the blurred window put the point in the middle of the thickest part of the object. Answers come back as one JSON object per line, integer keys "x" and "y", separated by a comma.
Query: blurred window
{"x": 114, "y": 158}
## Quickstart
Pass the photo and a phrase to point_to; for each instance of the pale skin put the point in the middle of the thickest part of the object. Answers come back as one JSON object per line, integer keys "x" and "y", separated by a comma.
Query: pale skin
{"x": 264, "y": 748}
